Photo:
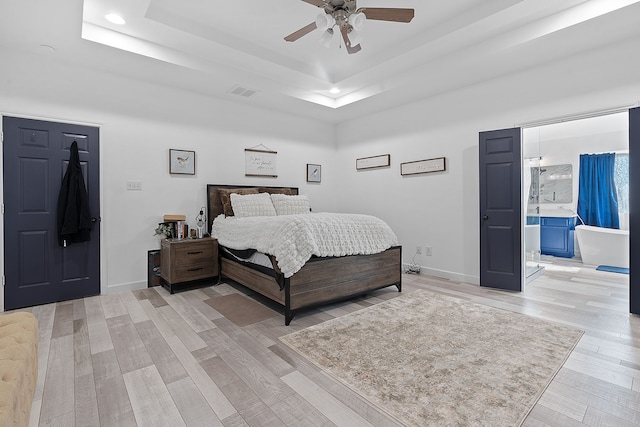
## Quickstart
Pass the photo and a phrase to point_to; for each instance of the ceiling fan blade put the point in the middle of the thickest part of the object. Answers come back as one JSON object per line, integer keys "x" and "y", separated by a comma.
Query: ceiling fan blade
{"x": 318, "y": 3}
{"x": 354, "y": 49}
{"x": 301, "y": 32}
{"x": 347, "y": 42}
{"x": 388, "y": 14}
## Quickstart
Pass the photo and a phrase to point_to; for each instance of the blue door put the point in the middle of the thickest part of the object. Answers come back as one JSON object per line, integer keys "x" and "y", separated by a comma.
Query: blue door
{"x": 634, "y": 208}
{"x": 500, "y": 209}
{"x": 37, "y": 269}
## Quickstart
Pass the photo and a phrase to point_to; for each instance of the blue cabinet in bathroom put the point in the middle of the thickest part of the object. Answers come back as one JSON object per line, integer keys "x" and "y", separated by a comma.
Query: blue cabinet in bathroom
{"x": 556, "y": 236}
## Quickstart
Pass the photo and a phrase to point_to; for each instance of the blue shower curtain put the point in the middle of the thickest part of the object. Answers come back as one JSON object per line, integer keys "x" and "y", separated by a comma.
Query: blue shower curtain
{"x": 597, "y": 199}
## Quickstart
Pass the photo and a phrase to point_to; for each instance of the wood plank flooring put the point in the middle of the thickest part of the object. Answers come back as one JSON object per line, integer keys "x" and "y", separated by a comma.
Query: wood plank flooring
{"x": 147, "y": 358}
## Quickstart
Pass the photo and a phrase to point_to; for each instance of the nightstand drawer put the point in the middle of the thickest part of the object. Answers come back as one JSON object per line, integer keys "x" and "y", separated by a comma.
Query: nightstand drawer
{"x": 199, "y": 270}
{"x": 194, "y": 252}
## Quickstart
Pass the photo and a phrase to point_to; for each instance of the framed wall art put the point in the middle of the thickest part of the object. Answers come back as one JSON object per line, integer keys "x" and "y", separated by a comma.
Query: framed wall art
{"x": 260, "y": 162}
{"x": 373, "y": 162}
{"x": 437, "y": 164}
{"x": 314, "y": 173}
{"x": 182, "y": 162}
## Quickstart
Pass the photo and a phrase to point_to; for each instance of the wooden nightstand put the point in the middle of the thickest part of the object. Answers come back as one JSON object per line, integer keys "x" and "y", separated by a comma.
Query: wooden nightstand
{"x": 188, "y": 263}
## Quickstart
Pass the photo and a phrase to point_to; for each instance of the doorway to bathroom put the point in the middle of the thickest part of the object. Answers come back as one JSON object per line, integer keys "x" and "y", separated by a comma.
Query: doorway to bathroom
{"x": 550, "y": 176}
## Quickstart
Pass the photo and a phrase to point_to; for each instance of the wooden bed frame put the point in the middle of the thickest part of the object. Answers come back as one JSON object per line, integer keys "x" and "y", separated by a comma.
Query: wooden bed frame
{"x": 321, "y": 281}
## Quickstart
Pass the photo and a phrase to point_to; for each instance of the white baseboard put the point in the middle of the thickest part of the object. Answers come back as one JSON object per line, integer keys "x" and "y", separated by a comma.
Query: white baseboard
{"x": 444, "y": 274}
{"x": 121, "y": 287}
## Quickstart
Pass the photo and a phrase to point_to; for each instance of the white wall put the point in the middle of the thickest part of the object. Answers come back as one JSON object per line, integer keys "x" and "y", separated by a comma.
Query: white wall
{"x": 139, "y": 123}
{"x": 442, "y": 210}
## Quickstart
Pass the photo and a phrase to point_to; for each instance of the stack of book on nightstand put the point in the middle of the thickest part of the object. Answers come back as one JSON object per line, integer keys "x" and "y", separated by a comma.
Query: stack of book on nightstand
{"x": 178, "y": 225}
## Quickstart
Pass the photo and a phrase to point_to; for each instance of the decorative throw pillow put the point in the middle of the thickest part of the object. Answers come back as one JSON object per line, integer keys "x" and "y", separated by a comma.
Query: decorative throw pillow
{"x": 252, "y": 205}
{"x": 226, "y": 201}
{"x": 290, "y": 205}
{"x": 271, "y": 190}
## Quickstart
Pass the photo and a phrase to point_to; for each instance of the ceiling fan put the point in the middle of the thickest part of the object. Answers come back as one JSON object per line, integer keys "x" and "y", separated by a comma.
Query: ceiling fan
{"x": 344, "y": 16}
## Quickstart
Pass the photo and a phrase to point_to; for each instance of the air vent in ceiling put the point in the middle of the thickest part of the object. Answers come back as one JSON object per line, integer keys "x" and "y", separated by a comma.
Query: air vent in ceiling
{"x": 242, "y": 91}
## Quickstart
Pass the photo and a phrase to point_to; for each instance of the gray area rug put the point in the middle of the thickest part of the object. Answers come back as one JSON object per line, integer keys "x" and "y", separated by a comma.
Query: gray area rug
{"x": 429, "y": 359}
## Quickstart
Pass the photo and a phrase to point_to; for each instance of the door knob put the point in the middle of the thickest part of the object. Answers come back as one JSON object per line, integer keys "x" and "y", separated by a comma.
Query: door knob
{"x": 485, "y": 217}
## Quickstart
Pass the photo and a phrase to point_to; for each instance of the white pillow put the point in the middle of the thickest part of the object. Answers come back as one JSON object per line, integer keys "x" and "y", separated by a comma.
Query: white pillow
{"x": 252, "y": 205}
{"x": 290, "y": 205}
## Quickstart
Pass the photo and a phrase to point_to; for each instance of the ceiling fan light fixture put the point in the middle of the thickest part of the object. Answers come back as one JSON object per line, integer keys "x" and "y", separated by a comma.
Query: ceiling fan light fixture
{"x": 325, "y": 21}
{"x": 342, "y": 20}
{"x": 326, "y": 38}
{"x": 357, "y": 20}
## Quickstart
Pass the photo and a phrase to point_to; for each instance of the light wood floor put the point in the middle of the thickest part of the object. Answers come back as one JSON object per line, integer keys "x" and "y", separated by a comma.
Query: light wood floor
{"x": 148, "y": 358}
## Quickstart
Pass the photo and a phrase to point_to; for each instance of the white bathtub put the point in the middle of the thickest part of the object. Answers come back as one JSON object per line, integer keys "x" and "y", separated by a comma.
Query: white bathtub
{"x": 603, "y": 246}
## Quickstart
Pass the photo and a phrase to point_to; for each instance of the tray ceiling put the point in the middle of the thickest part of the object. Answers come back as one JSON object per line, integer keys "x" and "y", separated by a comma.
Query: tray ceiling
{"x": 213, "y": 48}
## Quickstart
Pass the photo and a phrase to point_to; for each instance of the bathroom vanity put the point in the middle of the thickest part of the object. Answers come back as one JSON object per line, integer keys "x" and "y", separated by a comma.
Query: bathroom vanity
{"x": 556, "y": 235}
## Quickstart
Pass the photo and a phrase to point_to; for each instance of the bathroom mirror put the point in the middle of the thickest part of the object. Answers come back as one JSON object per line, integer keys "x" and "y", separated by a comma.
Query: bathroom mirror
{"x": 551, "y": 184}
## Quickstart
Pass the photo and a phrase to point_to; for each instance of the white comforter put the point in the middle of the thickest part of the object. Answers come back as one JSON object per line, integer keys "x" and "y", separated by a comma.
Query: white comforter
{"x": 293, "y": 239}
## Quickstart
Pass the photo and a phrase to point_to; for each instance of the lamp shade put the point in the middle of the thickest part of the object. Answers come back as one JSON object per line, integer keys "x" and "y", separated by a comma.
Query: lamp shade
{"x": 357, "y": 20}
{"x": 326, "y": 38}
{"x": 324, "y": 21}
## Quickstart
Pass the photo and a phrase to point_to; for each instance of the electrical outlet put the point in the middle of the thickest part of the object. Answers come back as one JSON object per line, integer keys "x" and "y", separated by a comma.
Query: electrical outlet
{"x": 427, "y": 250}
{"x": 134, "y": 186}
{"x": 418, "y": 250}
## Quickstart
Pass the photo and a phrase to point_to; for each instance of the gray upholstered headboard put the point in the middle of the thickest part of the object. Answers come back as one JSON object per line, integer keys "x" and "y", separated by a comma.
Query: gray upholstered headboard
{"x": 214, "y": 204}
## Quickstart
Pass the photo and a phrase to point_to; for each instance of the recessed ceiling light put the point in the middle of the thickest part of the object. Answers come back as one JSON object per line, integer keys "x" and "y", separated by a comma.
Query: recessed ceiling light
{"x": 334, "y": 90}
{"x": 114, "y": 18}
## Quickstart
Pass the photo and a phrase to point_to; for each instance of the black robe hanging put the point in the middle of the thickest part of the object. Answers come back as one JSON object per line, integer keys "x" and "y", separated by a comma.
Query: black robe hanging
{"x": 74, "y": 217}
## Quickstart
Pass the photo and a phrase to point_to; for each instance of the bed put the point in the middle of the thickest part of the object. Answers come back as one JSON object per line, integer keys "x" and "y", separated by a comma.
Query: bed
{"x": 321, "y": 280}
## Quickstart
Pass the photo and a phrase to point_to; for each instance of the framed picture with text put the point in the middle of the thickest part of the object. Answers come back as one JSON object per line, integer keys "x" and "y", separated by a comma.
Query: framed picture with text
{"x": 260, "y": 162}
{"x": 438, "y": 164}
{"x": 373, "y": 162}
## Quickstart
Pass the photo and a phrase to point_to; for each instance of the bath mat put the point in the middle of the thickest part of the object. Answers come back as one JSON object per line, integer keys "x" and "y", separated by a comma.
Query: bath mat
{"x": 612, "y": 269}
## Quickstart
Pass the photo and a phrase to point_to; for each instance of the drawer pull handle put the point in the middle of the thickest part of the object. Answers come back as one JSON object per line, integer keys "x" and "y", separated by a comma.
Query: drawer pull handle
{"x": 196, "y": 269}
{"x": 194, "y": 253}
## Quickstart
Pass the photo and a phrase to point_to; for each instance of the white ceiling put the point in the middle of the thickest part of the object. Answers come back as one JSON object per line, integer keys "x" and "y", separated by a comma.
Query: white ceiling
{"x": 209, "y": 47}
